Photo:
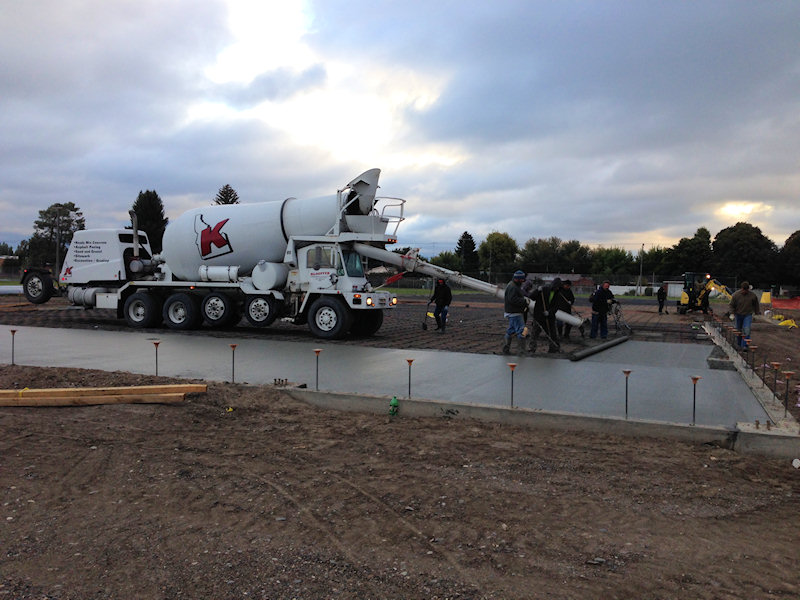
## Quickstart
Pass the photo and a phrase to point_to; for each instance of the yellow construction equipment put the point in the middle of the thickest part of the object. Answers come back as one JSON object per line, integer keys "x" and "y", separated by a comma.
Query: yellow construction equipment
{"x": 697, "y": 291}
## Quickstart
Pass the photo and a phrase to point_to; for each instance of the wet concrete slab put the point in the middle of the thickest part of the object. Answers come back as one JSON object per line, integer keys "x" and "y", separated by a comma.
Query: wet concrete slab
{"x": 659, "y": 386}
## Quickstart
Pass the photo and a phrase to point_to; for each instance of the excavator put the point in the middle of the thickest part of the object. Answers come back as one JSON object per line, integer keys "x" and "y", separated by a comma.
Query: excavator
{"x": 697, "y": 291}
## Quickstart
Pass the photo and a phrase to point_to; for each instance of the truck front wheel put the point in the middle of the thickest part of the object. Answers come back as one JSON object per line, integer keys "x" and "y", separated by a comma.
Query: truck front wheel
{"x": 38, "y": 288}
{"x": 329, "y": 319}
{"x": 260, "y": 311}
{"x": 142, "y": 310}
{"x": 366, "y": 322}
{"x": 182, "y": 311}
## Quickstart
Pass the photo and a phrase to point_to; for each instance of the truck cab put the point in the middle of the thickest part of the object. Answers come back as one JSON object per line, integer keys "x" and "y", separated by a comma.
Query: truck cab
{"x": 335, "y": 294}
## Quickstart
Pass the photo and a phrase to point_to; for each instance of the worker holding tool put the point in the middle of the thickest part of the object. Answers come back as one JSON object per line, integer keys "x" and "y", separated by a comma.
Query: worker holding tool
{"x": 442, "y": 296}
{"x": 744, "y": 304}
{"x": 544, "y": 315}
{"x": 564, "y": 301}
{"x": 602, "y": 300}
{"x": 514, "y": 303}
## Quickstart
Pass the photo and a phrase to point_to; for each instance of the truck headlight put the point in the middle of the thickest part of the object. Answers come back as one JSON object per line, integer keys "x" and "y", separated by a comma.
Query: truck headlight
{"x": 394, "y": 300}
{"x": 369, "y": 301}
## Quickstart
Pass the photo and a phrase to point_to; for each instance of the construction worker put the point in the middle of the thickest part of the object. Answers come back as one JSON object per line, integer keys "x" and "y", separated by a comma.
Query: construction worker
{"x": 514, "y": 304}
{"x": 661, "y": 296}
{"x": 744, "y": 304}
{"x": 442, "y": 296}
{"x": 564, "y": 301}
{"x": 602, "y": 299}
{"x": 544, "y": 315}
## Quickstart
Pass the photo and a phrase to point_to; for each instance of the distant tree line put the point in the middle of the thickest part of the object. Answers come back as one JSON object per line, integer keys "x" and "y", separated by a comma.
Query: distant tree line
{"x": 741, "y": 251}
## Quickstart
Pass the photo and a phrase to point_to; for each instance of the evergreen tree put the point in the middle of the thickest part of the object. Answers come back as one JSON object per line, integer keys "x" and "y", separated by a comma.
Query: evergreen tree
{"x": 467, "y": 254}
{"x": 150, "y": 216}
{"x": 226, "y": 195}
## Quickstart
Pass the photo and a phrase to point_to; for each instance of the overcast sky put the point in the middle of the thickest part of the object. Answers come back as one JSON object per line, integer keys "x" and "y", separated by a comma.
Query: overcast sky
{"x": 615, "y": 123}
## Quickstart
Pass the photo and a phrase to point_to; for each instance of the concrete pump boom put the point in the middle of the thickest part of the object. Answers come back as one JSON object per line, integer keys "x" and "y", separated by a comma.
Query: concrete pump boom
{"x": 411, "y": 262}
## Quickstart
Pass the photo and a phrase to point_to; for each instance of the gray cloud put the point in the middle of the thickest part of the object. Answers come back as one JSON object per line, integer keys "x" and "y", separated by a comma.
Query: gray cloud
{"x": 613, "y": 122}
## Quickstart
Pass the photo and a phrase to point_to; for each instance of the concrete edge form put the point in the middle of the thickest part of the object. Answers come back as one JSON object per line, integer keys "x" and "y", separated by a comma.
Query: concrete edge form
{"x": 774, "y": 445}
{"x": 771, "y": 405}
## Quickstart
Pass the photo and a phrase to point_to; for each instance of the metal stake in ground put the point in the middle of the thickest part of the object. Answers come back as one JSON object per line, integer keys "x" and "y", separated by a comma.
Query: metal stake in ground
{"x": 316, "y": 352}
{"x": 13, "y": 333}
{"x": 512, "y": 366}
{"x": 233, "y": 362}
{"x": 695, "y": 379}
{"x": 409, "y": 361}
{"x": 627, "y": 374}
{"x": 788, "y": 375}
{"x": 156, "y": 345}
{"x": 775, "y": 366}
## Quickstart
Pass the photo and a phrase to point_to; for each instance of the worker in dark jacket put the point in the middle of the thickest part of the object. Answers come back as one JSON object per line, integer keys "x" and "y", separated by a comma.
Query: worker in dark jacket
{"x": 544, "y": 315}
{"x": 442, "y": 296}
{"x": 514, "y": 304}
{"x": 601, "y": 305}
{"x": 563, "y": 301}
{"x": 661, "y": 296}
{"x": 744, "y": 304}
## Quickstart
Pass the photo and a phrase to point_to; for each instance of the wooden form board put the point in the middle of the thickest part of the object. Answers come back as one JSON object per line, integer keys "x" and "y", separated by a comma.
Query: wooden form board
{"x": 100, "y": 395}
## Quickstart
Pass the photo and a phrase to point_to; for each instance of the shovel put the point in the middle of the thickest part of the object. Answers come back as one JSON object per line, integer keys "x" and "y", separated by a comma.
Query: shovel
{"x": 425, "y": 319}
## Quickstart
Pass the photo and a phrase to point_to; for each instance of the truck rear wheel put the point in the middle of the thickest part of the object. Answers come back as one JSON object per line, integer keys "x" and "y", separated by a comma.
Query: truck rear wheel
{"x": 260, "y": 311}
{"x": 37, "y": 287}
{"x": 329, "y": 319}
{"x": 366, "y": 322}
{"x": 218, "y": 309}
{"x": 142, "y": 310}
{"x": 182, "y": 311}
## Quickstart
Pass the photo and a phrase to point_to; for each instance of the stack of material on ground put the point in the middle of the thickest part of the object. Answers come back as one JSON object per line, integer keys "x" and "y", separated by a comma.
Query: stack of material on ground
{"x": 143, "y": 394}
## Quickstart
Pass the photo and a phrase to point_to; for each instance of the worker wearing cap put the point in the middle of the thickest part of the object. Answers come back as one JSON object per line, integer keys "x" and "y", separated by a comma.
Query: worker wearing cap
{"x": 442, "y": 296}
{"x": 514, "y": 304}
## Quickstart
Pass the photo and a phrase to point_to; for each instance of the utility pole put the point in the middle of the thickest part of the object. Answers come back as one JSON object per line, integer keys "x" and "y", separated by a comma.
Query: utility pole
{"x": 641, "y": 260}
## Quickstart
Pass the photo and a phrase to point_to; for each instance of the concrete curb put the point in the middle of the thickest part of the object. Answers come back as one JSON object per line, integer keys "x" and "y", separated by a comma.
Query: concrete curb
{"x": 775, "y": 444}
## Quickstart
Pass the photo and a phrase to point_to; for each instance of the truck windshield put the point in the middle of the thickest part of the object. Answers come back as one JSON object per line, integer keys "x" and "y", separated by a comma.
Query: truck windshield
{"x": 352, "y": 262}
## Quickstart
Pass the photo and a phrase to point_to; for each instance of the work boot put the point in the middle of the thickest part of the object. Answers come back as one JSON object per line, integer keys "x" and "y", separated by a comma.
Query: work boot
{"x": 507, "y": 344}
{"x": 438, "y": 323}
{"x": 444, "y": 325}
{"x": 521, "y": 341}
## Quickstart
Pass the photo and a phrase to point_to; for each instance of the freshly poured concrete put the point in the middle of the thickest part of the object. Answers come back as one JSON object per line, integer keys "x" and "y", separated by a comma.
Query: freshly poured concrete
{"x": 659, "y": 387}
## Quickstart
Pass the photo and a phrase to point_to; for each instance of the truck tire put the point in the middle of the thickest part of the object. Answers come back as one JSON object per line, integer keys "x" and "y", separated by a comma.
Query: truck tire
{"x": 142, "y": 310}
{"x": 366, "y": 322}
{"x": 260, "y": 311}
{"x": 218, "y": 309}
{"x": 37, "y": 287}
{"x": 182, "y": 312}
{"x": 329, "y": 318}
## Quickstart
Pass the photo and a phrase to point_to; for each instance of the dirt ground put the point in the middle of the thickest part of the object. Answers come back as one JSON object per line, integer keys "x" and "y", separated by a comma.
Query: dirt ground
{"x": 242, "y": 492}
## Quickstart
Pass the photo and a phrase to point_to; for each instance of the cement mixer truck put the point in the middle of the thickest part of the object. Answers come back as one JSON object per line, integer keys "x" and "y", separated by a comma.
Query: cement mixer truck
{"x": 300, "y": 260}
{"x": 294, "y": 259}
